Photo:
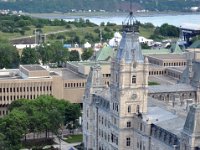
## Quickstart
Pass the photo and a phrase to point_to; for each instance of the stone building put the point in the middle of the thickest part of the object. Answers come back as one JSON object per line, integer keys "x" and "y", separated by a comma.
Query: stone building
{"x": 130, "y": 115}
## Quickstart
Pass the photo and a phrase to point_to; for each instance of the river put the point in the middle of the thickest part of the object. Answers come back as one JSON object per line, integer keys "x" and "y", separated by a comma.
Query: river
{"x": 156, "y": 19}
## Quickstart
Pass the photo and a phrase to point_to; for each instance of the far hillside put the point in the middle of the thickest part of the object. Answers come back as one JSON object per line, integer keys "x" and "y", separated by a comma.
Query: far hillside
{"x": 47, "y": 6}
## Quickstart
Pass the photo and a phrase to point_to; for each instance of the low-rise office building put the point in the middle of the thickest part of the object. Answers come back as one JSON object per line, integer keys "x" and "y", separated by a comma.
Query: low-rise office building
{"x": 31, "y": 81}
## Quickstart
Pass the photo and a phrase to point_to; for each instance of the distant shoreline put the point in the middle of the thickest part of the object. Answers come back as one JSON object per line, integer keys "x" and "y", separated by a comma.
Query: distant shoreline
{"x": 103, "y": 14}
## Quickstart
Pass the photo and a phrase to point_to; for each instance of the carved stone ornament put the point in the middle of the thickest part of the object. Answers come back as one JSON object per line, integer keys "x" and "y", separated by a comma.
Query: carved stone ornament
{"x": 134, "y": 96}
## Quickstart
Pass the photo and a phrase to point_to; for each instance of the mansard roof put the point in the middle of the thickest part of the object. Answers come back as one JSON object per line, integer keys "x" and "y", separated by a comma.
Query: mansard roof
{"x": 196, "y": 74}
{"x": 129, "y": 50}
{"x": 192, "y": 124}
{"x": 170, "y": 88}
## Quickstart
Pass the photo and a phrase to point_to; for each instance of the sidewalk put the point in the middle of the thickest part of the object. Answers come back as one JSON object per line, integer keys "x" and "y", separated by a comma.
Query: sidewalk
{"x": 64, "y": 145}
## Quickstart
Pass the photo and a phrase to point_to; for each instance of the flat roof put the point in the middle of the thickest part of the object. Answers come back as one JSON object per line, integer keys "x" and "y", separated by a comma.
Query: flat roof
{"x": 153, "y": 66}
{"x": 70, "y": 75}
{"x": 33, "y": 67}
{"x": 155, "y": 51}
{"x": 179, "y": 69}
{"x": 88, "y": 63}
{"x": 165, "y": 119}
{"x": 169, "y": 56}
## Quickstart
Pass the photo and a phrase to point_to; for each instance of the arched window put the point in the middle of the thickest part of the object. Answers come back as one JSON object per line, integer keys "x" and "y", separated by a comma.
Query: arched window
{"x": 133, "y": 79}
{"x": 129, "y": 109}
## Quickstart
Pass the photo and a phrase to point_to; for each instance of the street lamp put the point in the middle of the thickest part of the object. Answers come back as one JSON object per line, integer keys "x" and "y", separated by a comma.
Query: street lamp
{"x": 59, "y": 137}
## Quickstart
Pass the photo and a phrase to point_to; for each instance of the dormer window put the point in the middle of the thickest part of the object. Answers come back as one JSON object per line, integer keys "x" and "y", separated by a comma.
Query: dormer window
{"x": 133, "y": 79}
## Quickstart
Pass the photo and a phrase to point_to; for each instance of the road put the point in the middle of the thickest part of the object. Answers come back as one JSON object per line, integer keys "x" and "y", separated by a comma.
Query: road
{"x": 48, "y": 33}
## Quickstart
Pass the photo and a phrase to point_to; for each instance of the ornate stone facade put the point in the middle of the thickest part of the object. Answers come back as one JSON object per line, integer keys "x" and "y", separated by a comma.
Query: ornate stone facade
{"x": 123, "y": 116}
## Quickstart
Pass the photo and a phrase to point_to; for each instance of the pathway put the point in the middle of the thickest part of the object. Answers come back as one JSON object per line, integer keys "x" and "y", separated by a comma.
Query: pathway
{"x": 64, "y": 145}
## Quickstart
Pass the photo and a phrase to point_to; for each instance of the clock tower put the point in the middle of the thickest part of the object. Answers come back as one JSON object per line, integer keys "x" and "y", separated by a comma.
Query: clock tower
{"x": 129, "y": 83}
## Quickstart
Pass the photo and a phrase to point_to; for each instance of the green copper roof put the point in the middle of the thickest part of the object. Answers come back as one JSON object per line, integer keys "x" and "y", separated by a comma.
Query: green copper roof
{"x": 175, "y": 49}
{"x": 196, "y": 44}
{"x": 105, "y": 53}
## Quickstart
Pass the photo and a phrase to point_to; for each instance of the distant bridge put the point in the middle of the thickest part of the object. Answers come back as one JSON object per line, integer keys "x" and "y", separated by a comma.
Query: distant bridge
{"x": 187, "y": 31}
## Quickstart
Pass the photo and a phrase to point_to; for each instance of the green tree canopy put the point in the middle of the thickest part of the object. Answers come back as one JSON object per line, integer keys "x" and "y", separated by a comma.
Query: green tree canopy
{"x": 168, "y": 30}
{"x": 9, "y": 57}
{"x": 29, "y": 56}
{"x": 74, "y": 55}
{"x": 44, "y": 114}
{"x": 53, "y": 53}
{"x": 87, "y": 54}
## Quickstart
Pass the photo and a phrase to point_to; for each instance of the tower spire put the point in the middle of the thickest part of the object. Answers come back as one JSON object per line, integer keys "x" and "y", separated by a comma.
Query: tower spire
{"x": 129, "y": 24}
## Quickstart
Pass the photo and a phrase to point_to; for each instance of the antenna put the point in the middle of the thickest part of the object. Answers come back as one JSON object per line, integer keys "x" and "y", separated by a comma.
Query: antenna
{"x": 131, "y": 6}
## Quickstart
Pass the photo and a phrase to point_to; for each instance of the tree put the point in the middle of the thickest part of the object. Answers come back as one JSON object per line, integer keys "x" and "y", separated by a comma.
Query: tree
{"x": 60, "y": 54}
{"x": 74, "y": 56}
{"x": 29, "y": 56}
{"x": 87, "y": 54}
{"x": 9, "y": 57}
{"x": 169, "y": 30}
{"x": 145, "y": 46}
{"x": 44, "y": 114}
{"x": 3, "y": 143}
{"x": 53, "y": 53}
{"x": 14, "y": 126}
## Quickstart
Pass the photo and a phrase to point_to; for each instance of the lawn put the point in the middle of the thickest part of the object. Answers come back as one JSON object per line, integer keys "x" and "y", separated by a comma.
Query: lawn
{"x": 74, "y": 138}
{"x": 45, "y": 29}
{"x": 146, "y": 32}
{"x": 153, "y": 83}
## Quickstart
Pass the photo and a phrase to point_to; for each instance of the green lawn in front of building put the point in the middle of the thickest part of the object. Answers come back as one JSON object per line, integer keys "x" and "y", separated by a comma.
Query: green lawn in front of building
{"x": 150, "y": 83}
{"x": 74, "y": 138}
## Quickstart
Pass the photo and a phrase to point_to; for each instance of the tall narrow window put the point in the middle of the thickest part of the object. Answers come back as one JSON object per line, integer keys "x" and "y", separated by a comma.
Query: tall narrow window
{"x": 128, "y": 141}
{"x": 129, "y": 109}
{"x": 133, "y": 79}
{"x": 138, "y": 109}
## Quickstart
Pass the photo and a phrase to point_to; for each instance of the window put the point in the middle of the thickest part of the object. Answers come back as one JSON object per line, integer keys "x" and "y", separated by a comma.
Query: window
{"x": 117, "y": 107}
{"x": 140, "y": 126}
{"x": 129, "y": 109}
{"x": 128, "y": 141}
{"x": 128, "y": 124}
{"x": 133, "y": 79}
{"x": 138, "y": 108}
{"x": 87, "y": 113}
